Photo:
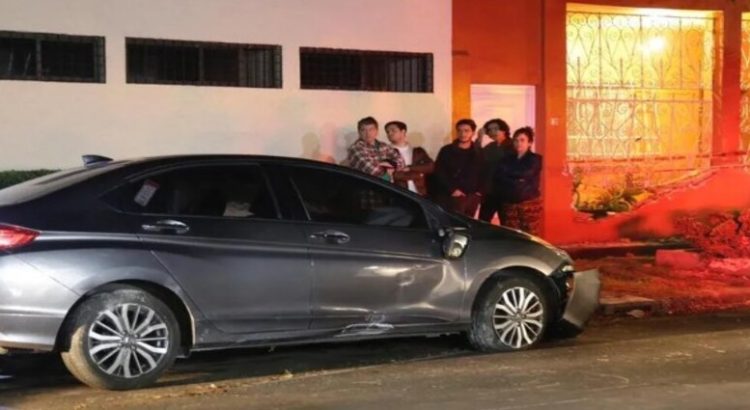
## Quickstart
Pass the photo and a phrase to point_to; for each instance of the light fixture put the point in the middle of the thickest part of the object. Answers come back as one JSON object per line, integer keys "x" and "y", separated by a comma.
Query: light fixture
{"x": 654, "y": 45}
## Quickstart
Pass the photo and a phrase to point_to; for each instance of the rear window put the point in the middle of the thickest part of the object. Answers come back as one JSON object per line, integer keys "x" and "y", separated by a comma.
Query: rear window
{"x": 45, "y": 185}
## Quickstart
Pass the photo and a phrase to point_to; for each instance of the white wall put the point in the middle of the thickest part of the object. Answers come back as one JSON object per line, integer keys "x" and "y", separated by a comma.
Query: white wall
{"x": 513, "y": 103}
{"x": 50, "y": 124}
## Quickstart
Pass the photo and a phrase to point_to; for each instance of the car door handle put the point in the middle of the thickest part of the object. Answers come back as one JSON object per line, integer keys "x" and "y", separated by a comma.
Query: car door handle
{"x": 331, "y": 236}
{"x": 167, "y": 225}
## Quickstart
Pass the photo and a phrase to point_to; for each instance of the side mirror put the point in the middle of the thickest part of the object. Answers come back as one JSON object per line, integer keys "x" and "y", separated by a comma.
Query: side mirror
{"x": 454, "y": 243}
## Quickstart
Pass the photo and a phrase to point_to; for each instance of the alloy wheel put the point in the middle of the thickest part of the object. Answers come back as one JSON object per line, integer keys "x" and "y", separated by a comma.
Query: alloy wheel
{"x": 518, "y": 317}
{"x": 128, "y": 340}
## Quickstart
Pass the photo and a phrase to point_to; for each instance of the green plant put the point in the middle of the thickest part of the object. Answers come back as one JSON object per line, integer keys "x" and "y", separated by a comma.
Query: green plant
{"x": 577, "y": 175}
{"x": 620, "y": 197}
{"x": 12, "y": 177}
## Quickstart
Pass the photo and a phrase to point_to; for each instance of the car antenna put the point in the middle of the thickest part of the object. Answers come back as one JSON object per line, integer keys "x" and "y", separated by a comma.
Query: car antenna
{"x": 94, "y": 159}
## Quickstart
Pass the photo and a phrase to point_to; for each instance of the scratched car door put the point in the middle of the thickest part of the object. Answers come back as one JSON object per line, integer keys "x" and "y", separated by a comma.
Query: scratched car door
{"x": 377, "y": 261}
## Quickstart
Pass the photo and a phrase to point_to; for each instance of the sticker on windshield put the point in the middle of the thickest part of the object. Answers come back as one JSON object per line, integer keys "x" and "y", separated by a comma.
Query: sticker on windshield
{"x": 147, "y": 191}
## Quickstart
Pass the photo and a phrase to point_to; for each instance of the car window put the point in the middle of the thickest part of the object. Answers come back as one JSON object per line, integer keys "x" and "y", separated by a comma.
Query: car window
{"x": 330, "y": 196}
{"x": 54, "y": 182}
{"x": 238, "y": 191}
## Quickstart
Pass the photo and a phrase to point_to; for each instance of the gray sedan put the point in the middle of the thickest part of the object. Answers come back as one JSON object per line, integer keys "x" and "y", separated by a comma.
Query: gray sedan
{"x": 122, "y": 266}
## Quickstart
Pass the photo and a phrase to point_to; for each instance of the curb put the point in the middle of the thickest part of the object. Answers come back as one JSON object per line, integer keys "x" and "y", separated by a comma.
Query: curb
{"x": 636, "y": 248}
{"x": 616, "y": 305}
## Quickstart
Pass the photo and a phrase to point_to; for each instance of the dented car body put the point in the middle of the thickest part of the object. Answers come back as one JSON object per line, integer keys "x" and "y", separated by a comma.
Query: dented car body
{"x": 143, "y": 260}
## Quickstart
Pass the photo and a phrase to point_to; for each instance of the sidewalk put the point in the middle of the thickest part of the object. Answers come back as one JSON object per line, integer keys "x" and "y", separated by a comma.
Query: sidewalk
{"x": 707, "y": 286}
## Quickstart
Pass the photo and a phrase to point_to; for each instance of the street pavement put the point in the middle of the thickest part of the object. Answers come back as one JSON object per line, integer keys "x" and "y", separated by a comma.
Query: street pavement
{"x": 698, "y": 362}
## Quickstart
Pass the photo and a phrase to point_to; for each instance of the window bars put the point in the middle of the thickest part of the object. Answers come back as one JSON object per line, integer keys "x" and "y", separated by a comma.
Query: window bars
{"x": 337, "y": 69}
{"x": 51, "y": 57}
{"x": 640, "y": 96}
{"x": 151, "y": 61}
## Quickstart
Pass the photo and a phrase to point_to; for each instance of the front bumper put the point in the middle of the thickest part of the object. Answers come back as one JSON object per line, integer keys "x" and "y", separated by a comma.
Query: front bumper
{"x": 583, "y": 299}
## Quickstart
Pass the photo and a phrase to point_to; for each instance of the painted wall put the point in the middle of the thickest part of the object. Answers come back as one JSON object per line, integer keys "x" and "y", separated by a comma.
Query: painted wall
{"x": 494, "y": 42}
{"x": 523, "y": 42}
{"x": 713, "y": 191}
{"x": 50, "y": 124}
{"x": 502, "y": 39}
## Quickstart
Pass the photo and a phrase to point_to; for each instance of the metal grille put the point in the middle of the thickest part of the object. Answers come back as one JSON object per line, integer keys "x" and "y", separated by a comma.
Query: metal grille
{"x": 336, "y": 69}
{"x": 640, "y": 97}
{"x": 51, "y": 57}
{"x": 152, "y": 61}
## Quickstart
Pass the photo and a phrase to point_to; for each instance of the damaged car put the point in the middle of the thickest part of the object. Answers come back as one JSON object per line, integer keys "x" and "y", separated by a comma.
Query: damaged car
{"x": 122, "y": 266}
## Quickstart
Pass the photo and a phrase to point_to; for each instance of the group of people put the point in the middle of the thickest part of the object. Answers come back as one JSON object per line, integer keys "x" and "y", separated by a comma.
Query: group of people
{"x": 500, "y": 178}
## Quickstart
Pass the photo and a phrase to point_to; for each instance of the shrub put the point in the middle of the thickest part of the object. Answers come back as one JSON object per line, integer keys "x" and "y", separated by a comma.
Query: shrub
{"x": 621, "y": 196}
{"x": 8, "y": 178}
{"x": 724, "y": 235}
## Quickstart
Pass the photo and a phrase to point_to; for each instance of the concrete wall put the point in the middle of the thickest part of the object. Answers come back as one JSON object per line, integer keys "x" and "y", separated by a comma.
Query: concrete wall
{"x": 50, "y": 124}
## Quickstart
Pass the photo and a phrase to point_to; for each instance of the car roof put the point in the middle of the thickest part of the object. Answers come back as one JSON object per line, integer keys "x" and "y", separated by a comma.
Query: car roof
{"x": 108, "y": 171}
{"x": 176, "y": 159}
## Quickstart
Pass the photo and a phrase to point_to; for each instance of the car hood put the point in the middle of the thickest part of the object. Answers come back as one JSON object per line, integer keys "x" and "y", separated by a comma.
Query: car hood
{"x": 485, "y": 231}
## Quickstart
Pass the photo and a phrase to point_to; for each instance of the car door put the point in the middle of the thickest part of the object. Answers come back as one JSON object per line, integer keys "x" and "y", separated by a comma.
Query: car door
{"x": 217, "y": 229}
{"x": 377, "y": 262}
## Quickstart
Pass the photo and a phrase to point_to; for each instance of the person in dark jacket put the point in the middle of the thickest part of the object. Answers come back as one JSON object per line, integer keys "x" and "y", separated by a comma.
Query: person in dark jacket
{"x": 517, "y": 180}
{"x": 457, "y": 184}
{"x": 492, "y": 154}
{"x": 419, "y": 165}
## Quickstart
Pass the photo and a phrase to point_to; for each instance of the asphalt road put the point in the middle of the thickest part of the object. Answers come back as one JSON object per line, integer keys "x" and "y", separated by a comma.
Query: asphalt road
{"x": 663, "y": 363}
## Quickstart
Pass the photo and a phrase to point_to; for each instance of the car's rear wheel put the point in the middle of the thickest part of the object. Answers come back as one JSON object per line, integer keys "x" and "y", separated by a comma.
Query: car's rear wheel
{"x": 121, "y": 339}
{"x": 512, "y": 314}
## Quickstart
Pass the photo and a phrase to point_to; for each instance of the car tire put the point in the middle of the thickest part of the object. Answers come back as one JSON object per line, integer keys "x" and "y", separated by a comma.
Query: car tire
{"x": 121, "y": 339}
{"x": 511, "y": 314}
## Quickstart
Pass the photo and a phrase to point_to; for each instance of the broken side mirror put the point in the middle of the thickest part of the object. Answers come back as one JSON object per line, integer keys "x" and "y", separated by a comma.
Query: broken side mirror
{"x": 455, "y": 243}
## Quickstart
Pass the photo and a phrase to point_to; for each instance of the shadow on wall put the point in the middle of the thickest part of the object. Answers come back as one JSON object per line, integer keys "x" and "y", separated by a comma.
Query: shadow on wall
{"x": 636, "y": 228}
{"x": 329, "y": 145}
{"x": 417, "y": 139}
{"x": 311, "y": 149}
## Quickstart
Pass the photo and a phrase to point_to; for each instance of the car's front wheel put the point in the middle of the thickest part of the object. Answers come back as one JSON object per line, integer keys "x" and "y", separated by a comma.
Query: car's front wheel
{"x": 512, "y": 314}
{"x": 121, "y": 339}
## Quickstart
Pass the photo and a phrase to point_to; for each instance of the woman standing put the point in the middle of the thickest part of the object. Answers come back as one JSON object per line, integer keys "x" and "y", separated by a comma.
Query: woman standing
{"x": 517, "y": 181}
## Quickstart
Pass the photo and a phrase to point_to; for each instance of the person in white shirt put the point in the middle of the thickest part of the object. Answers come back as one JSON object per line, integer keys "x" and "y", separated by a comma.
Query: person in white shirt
{"x": 419, "y": 165}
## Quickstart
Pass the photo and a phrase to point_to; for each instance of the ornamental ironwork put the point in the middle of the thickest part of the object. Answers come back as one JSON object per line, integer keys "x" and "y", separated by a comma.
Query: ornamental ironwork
{"x": 640, "y": 103}
{"x": 745, "y": 89}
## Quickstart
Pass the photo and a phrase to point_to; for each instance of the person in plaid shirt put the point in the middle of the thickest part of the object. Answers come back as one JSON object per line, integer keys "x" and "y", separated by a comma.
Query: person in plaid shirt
{"x": 371, "y": 156}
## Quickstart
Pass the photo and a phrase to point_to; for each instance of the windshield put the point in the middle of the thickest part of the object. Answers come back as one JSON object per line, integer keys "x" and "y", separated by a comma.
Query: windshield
{"x": 45, "y": 185}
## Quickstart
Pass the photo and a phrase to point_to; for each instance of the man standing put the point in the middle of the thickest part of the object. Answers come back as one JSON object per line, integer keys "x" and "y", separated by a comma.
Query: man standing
{"x": 418, "y": 162}
{"x": 492, "y": 154}
{"x": 457, "y": 172}
{"x": 371, "y": 156}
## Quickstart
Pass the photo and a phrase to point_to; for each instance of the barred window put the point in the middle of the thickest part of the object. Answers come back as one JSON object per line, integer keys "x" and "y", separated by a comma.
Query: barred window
{"x": 201, "y": 63}
{"x": 51, "y": 57}
{"x": 640, "y": 102}
{"x": 337, "y": 69}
